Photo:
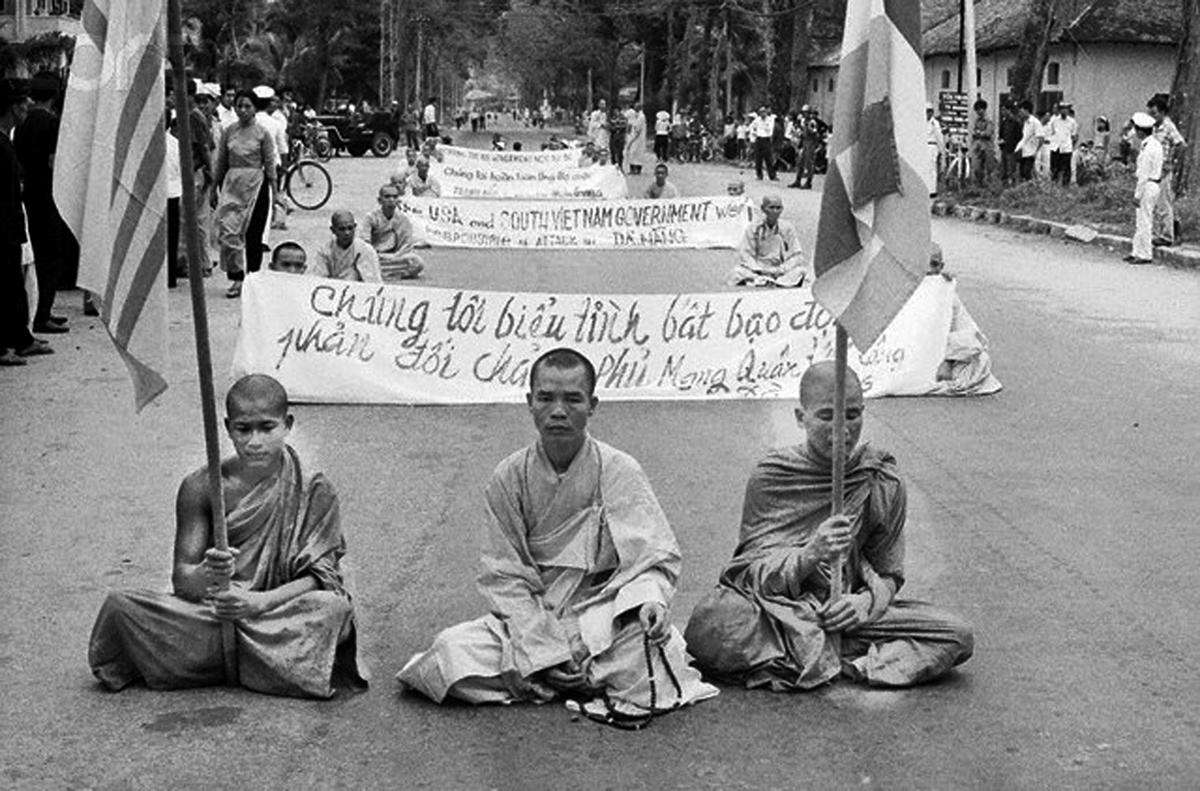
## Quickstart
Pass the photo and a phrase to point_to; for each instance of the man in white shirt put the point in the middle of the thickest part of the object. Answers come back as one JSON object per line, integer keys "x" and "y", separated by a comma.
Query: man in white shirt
{"x": 597, "y": 129}
{"x": 935, "y": 145}
{"x": 429, "y": 119}
{"x": 1062, "y": 132}
{"x": 225, "y": 113}
{"x": 1149, "y": 178}
{"x": 1031, "y": 139}
{"x": 1173, "y": 145}
{"x": 762, "y": 128}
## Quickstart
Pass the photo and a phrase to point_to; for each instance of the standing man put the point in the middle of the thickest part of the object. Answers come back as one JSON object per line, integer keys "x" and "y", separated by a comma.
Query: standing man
{"x": 618, "y": 126}
{"x": 1150, "y": 171}
{"x": 226, "y": 115}
{"x": 635, "y": 139}
{"x": 1031, "y": 140}
{"x": 429, "y": 118}
{"x": 935, "y": 145}
{"x": 35, "y": 141}
{"x": 1062, "y": 133}
{"x": 579, "y": 573}
{"x": 809, "y": 131}
{"x": 1173, "y": 145}
{"x": 16, "y": 342}
{"x": 597, "y": 127}
{"x": 983, "y": 144}
{"x": 771, "y": 621}
{"x": 1010, "y": 137}
{"x": 762, "y": 130}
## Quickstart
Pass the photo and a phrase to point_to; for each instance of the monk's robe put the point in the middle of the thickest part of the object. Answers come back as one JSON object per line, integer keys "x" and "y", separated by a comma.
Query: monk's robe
{"x": 286, "y": 527}
{"x": 392, "y": 238}
{"x": 759, "y": 626}
{"x": 966, "y": 367}
{"x": 572, "y": 555}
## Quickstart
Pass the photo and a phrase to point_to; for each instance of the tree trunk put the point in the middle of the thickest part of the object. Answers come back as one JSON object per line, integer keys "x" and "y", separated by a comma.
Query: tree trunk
{"x": 779, "y": 81}
{"x": 801, "y": 51}
{"x": 1185, "y": 94}
{"x": 1033, "y": 52}
{"x": 715, "y": 117}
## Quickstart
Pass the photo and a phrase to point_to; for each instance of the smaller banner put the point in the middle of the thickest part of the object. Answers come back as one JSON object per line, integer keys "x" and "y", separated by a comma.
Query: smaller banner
{"x": 333, "y": 341}
{"x": 718, "y": 221}
{"x": 475, "y": 173}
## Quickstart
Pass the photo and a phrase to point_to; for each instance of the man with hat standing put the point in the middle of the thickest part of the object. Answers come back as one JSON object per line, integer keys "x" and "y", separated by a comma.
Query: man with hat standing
{"x": 16, "y": 342}
{"x": 35, "y": 139}
{"x": 983, "y": 144}
{"x": 810, "y": 138}
{"x": 1149, "y": 179}
{"x": 1062, "y": 132}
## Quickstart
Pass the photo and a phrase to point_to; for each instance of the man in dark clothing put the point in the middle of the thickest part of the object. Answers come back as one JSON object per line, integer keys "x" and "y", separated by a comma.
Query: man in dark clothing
{"x": 16, "y": 342}
{"x": 1010, "y": 136}
{"x": 35, "y": 140}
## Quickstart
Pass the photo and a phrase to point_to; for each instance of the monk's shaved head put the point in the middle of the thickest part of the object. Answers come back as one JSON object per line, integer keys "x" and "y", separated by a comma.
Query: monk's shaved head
{"x": 256, "y": 392}
{"x": 816, "y": 384}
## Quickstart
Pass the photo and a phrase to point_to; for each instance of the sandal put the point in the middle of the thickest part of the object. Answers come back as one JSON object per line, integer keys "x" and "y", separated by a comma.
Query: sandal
{"x": 235, "y": 290}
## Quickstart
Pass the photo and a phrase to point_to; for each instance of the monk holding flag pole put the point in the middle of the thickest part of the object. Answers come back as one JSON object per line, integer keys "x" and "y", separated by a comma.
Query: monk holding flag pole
{"x": 269, "y": 608}
{"x": 810, "y": 593}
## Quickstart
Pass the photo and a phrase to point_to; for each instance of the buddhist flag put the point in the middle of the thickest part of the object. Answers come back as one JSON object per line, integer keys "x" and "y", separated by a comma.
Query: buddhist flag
{"x": 110, "y": 178}
{"x": 872, "y": 245}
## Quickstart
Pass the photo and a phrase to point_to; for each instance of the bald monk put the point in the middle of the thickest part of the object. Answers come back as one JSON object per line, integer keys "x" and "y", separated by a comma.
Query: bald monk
{"x": 579, "y": 575}
{"x": 390, "y": 232}
{"x": 287, "y": 599}
{"x": 347, "y": 257}
{"x": 770, "y": 252}
{"x": 769, "y": 621}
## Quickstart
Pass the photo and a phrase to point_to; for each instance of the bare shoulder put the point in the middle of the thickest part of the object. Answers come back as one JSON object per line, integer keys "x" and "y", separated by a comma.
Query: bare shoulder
{"x": 194, "y": 489}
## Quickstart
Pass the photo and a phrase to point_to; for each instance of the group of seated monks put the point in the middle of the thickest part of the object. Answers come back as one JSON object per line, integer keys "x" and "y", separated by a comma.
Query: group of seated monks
{"x": 579, "y": 573}
{"x": 385, "y": 247}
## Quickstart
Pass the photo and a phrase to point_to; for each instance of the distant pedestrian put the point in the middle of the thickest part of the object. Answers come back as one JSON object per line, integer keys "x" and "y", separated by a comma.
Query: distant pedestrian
{"x": 429, "y": 118}
{"x": 935, "y": 143}
{"x": 662, "y": 135}
{"x": 1149, "y": 178}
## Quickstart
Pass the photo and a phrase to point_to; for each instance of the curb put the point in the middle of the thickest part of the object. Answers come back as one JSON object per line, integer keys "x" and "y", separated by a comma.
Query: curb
{"x": 1177, "y": 257}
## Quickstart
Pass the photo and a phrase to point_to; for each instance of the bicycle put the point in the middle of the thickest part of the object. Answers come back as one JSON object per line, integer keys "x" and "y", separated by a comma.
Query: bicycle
{"x": 308, "y": 184}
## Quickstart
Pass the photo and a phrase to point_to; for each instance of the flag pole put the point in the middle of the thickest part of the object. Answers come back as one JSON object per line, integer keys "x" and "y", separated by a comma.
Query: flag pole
{"x": 839, "y": 462}
{"x": 196, "y": 259}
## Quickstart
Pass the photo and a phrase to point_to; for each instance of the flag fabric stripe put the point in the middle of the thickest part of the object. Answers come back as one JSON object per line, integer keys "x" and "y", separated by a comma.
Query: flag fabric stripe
{"x": 872, "y": 244}
{"x": 144, "y": 83}
{"x": 110, "y": 178}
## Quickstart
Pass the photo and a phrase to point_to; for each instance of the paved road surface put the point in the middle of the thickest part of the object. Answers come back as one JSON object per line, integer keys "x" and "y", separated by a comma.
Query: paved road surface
{"x": 1059, "y": 516}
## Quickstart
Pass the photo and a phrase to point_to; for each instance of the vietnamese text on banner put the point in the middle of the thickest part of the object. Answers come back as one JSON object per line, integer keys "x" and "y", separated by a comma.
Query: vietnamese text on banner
{"x": 333, "y": 341}
{"x": 716, "y": 221}
{"x": 472, "y": 173}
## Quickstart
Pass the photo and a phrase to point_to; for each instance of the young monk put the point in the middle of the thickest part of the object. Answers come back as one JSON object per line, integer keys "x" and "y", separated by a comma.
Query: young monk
{"x": 390, "y": 232}
{"x": 579, "y": 575}
{"x": 769, "y": 621}
{"x": 292, "y": 613}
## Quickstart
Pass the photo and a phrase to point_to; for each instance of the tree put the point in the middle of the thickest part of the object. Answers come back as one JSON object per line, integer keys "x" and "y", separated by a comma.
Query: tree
{"x": 1185, "y": 92}
{"x": 1033, "y": 52}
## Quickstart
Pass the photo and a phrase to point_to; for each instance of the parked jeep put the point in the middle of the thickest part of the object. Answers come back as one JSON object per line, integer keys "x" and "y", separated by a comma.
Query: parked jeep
{"x": 356, "y": 134}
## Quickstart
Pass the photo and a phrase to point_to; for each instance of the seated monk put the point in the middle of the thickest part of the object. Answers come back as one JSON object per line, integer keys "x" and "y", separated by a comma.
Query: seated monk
{"x": 769, "y": 621}
{"x": 390, "y": 232}
{"x": 579, "y": 575}
{"x": 346, "y": 257}
{"x": 279, "y": 583}
{"x": 770, "y": 253}
{"x": 420, "y": 184}
{"x": 966, "y": 367}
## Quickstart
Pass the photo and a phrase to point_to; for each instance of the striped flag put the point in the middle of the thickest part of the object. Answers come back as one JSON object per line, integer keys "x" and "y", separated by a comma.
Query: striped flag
{"x": 110, "y": 178}
{"x": 872, "y": 246}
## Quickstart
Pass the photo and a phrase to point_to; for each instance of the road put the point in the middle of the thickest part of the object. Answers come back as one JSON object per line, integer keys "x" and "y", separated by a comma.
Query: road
{"x": 1059, "y": 516}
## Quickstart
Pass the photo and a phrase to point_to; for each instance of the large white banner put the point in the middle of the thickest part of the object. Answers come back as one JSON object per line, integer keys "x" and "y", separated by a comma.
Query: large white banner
{"x": 333, "y": 341}
{"x": 718, "y": 221}
{"x": 475, "y": 173}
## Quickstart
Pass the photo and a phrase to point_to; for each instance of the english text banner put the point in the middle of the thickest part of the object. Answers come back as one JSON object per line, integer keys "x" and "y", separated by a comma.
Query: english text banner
{"x": 332, "y": 341}
{"x": 718, "y": 221}
{"x": 472, "y": 173}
